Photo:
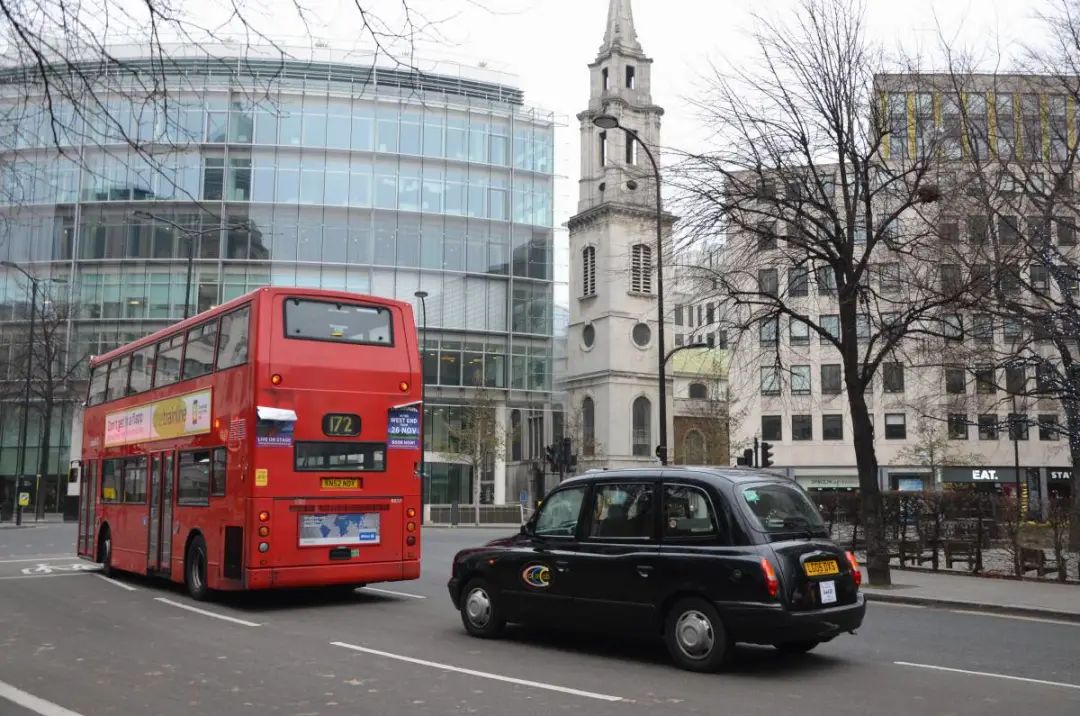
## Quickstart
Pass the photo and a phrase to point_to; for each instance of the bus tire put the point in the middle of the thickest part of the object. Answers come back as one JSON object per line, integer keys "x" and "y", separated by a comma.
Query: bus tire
{"x": 104, "y": 552}
{"x": 195, "y": 569}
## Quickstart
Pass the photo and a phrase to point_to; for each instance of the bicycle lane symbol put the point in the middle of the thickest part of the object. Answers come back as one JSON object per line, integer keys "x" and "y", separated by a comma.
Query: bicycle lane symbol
{"x": 41, "y": 569}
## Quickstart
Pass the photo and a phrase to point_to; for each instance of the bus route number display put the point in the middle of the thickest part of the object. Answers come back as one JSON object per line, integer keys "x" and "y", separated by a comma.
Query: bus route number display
{"x": 341, "y": 425}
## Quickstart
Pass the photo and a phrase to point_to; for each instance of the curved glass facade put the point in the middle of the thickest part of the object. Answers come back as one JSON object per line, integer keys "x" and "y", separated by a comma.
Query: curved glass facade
{"x": 316, "y": 174}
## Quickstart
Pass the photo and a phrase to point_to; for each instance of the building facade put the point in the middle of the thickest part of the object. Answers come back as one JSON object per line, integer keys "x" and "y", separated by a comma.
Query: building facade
{"x": 269, "y": 170}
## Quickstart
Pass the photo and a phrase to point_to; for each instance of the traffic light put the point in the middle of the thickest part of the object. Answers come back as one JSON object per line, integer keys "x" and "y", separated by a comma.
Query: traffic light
{"x": 661, "y": 453}
{"x": 766, "y": 454}
{"x": 567, "y": 451}
{"x": 551, "y": 452}
{"x": 746, "y": 459}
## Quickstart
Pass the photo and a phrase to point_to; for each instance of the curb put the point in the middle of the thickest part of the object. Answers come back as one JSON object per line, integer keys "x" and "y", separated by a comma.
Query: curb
{"x": 1008, "y": 609}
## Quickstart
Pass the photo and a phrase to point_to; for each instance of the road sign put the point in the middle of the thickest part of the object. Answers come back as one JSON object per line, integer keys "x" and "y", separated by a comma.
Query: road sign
{"x": 24, "y": 499}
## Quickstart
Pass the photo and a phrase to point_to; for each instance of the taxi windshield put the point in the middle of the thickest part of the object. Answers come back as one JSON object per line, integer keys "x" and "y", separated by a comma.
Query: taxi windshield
{"x": 782, "y": 508}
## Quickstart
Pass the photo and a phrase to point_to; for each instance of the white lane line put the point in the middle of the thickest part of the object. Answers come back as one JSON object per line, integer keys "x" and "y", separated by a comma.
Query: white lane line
{"x": 47, "y": 558}
{"x": 113, "y": 581}
{"x": 392, "y": 592}
{"x": 206, "y": 613}
{"x": 46, "y": 576}
{"x": 481, "y": 674}
{"x": 1015, "y": 616}
{"x": 34, "y": 703}
{"x": 1008, "y": 677}
{"x": 898, "y": 604}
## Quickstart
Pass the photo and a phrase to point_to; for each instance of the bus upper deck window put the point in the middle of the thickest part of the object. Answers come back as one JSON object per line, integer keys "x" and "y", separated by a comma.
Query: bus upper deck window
{"x": 338, "y": 322}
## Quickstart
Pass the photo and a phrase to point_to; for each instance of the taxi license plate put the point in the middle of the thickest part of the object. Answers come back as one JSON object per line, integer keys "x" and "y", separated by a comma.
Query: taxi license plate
{"x": 340, "y": 483}
{"x": 821, "y": 569}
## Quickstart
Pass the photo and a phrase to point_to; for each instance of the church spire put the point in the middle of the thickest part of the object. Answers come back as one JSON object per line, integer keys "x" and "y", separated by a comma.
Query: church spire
{"x": 620, "y": 32}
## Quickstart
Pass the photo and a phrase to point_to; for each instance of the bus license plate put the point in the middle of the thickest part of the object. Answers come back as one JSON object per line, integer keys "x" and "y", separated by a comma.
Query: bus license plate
{"x": 820, "y": 569}
{"x": 341, "y": 483}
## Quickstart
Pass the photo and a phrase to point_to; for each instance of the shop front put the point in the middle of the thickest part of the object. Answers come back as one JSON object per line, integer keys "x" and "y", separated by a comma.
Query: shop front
{"x": 1059, "y": 483}
{"x": 999, "y": 481}
{"x": 840, "y": 483}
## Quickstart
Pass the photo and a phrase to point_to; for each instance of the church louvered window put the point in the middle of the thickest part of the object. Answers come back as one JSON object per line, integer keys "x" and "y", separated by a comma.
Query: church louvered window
{"x": 588, "y": 269}
{"x": 641, "y": 268}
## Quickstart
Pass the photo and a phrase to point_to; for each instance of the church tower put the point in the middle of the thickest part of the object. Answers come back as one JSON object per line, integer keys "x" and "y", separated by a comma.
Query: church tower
{"x": 612, "y": 352}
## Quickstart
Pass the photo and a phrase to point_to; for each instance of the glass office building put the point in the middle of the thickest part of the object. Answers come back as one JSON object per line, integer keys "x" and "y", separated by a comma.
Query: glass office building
{"x": 269, "y": 171}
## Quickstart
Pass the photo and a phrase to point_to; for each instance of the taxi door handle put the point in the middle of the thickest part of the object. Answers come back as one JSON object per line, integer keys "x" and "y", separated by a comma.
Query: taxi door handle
{"x": 644, "y": 570}
{"x": 562, "y": 565}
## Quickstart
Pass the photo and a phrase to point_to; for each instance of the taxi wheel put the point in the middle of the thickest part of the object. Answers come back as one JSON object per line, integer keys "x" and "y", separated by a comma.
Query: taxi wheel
{"x": 797, "y": 647}
{"x": 696, "y": 637}
{"x": 480, "y": 611}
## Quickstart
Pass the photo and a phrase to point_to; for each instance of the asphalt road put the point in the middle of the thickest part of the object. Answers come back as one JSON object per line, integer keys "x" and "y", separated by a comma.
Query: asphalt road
{"x": 79, "y": 642}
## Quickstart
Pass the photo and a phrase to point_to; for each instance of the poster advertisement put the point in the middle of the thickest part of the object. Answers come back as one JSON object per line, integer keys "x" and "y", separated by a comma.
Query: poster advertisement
{"x": 403, "y": 430}
{"x": 274, "y": 433}
{"x": 337, "y": 529}
{"x": 163, "y": 419}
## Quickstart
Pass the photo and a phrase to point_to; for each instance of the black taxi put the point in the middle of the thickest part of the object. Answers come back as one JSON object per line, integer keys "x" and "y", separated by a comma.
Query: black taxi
{"x": 704, "y": 557}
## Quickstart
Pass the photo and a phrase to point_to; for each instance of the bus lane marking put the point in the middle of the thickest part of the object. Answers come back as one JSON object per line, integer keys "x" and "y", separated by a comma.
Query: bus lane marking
{"x": 44, "y": 576}
{"x": 1007, "y": 677}
{"x": 46, "y": 558}
{"x": 205, "y": 613}
{"x": 480, "y": 674}
{"x": 34, "y": 703}
{"x": 392, "y": 592}
{"x": 110, "y": 580}
{"x": 1017, "y": 617}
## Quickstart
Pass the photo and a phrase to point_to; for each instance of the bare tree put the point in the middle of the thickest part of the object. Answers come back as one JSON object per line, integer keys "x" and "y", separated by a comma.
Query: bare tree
{"x": 810, "y": 178}
{"x": 478, "y": 439}
{"x": 933, "y": 449}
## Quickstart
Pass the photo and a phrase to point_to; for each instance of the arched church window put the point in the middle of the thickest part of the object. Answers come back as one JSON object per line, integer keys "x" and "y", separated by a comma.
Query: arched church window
{"x": 698, "y": 391}
{"x": 642, "y": 426}
{"x": 588, "y": 427}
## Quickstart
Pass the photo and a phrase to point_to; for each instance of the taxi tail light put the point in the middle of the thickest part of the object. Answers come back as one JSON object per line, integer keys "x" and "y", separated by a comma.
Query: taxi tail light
{"x": 771, "y": 582}
{"x": 856, "y": 573}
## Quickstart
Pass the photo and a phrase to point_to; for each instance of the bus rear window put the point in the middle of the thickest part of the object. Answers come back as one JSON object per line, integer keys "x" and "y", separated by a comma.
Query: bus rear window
{"x": 367, "y": 457}
{"x": 337, "y": 322}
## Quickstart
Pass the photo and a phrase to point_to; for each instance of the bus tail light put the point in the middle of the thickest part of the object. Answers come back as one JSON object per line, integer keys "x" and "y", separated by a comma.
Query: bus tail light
{"x": 264, "y": 516}
{"x": 264, "y": 547}
{"x": 411, "y": 540}
{"x": 403, "y": 386}
{"x": 411, "y": 527}
{"x": 856, "y": 573}
{"x": 771, "y": 582}
{"x": 411, "y": 512}
{"x": 276, "y": 379}
{"x": 264, "y": 531}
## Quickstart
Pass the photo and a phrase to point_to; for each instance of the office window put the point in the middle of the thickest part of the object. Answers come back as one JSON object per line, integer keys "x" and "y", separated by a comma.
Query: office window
{"x": 678, "y": 315}
{"x": 958, "y": 426}
{"x": 710, "y": 314}
{"x": 772, "y": 427}
{"x": 978, "y": 229}
{"x": 982, "y": 327}
{"x": 952, "y": 327}
{"x": 799, "y": 332}
{"x": 768, "y": 282}
{"x": 985, "y": 380}
{"x": 1048, "y": 427}
{"x": 826, "y": 280}
{"x": 770, "y": 380}
{"x": 1008, "y": 229}
{"x": 1040, "y": 279}
{"x": 831, "y": 325}
{"x": 1045, "y": 377}
{"x": 831, "y": 383}
{"x": 892, "y": 377}
{"x": 955, "y": 380}
{"x": 1018, "y": 426}
{"x": 895, "y": 426}
{"x": 988, "y": 427}
{"x": 766, "y": 236}
{"x": 832, "y": 427}
{"x": 1009, "y": 278}
{"x": 862, "y": 327}
{"x": 949, "y": 231}
{"x": 802, "y": 427}
{"x": 800, "y": 380}
{"x": 890, "y": 278}
{"x": 1066, "y": 232}
{"x": 768, "y": 331}
{"x": 1015, "y": 379}
{"x": 1013, "y": 329}
{"x": 798, "y": 281}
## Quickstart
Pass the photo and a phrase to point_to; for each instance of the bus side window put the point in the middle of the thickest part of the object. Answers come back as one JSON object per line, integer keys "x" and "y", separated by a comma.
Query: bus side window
{"x": 118, "y": 378}
{"x": 167, "y": 367}
{"x": 217, "y": 477}
{"x": 110, "y": 480}
{"x": 199, "y": 356}
{"x": 142, "y": 369}
{"x": 194, "y": 484}
{"x": 98, "y": 379}
{"x": 135, "y": 480}
{"x": 232, "y": 347}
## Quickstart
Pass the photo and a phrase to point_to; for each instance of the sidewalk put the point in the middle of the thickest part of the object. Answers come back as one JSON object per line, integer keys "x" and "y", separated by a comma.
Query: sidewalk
{"x": 1037, "y": 599}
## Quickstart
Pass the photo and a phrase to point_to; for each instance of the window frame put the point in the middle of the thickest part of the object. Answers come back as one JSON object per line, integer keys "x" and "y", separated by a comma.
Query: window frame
{"x": 903, "y": 425}
{"x": 834, "y": 418}
{"x": 390, "y": 342}
{"x": 826, "y": 389}
{"x": 956, "y": 420}
{"x": 807, "y": 419}
{"x": 585, "y": 490}
{"x": 778, "y": 436}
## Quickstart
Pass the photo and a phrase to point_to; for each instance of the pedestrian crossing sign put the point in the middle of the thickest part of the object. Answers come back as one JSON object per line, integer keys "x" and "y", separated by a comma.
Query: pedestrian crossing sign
{"x": 24, "y": 499}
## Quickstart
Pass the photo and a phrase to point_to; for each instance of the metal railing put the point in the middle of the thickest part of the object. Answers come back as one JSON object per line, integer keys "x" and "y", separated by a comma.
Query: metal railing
{"x": 466, "y": 514}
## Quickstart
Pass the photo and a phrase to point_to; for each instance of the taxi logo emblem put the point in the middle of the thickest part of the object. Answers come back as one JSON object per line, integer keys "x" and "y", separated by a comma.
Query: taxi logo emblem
{"x": 537, "y": 575}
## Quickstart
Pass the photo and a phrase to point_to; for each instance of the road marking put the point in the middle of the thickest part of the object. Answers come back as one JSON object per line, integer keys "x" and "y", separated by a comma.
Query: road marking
{"x": 204, "y": 612}
{"x": 47, "y": 558}
{"x": 36, "y": 704}
{"x": 1015, "y": 616}
{"x": 396, "y": 594}
{"x": 1008, "y": 677}
{"x": 898, "y": 604}
{"x": 481, "y": 674}
{"x": 45, "y": 576}
{"x": 113, "y": 581}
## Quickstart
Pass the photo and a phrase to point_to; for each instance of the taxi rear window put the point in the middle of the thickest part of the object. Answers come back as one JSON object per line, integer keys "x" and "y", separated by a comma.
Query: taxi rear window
{"x": 781, "y": 508}
{"x": 338, "y": 322}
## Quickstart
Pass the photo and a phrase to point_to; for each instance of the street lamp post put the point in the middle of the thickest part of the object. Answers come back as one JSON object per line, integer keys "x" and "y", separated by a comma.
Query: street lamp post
{"x": 608, "y": 121}
{"x": 422, "y": 295}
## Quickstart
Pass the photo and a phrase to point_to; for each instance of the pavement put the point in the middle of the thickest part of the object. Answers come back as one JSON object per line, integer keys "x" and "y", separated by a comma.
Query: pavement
{"x": 77, "y": 644}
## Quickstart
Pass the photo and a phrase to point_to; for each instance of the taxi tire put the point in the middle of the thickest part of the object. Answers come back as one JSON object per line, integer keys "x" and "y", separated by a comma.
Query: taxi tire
{"x": 195, "y": 570}
{"x": 495, "y": 623}
{"x": 695, "y": 609}
{"x": 797, "y": 647}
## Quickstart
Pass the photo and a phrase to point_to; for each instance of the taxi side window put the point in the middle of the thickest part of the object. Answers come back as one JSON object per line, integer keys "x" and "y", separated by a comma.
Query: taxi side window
{"x": 559, "y": 514}
{"x": 623, "y": 511}
{"x": 688, "y": 513}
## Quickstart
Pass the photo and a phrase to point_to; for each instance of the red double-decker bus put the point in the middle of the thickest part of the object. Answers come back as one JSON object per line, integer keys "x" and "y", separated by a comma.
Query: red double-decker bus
{"x": 270, "y": 442}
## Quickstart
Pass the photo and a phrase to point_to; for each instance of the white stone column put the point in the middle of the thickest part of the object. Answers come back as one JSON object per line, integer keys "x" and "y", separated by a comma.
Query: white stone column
{"x": 500, "y": 459}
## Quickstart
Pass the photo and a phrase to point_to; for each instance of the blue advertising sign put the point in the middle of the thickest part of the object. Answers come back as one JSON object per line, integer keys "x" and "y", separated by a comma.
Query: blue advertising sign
{"x": 403, "y": 429}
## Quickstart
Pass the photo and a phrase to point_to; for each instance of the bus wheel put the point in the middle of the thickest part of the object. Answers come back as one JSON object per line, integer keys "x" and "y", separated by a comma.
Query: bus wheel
{"x": 105, "y": 553}
{"x": 195, "y": 569}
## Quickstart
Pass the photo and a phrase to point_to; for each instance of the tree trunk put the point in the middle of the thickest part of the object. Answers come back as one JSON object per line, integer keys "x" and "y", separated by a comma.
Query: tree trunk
{"x": 877, "y": 547}
{"x": 1072, "y": 427}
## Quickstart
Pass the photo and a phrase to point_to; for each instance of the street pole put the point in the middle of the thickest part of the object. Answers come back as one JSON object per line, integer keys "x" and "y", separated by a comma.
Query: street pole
{"x": 422, "y": 295}
{"x": 21, "y": 459}
{"x": 607, "y": 121}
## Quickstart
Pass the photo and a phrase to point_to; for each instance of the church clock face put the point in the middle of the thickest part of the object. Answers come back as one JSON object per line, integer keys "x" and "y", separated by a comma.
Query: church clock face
{"x": 642, "y": 334}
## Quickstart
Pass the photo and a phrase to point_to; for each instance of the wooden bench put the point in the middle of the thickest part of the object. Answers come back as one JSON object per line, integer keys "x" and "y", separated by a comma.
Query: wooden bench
{"x": 959, "y": 550}
{"x": 1036, "y": 559}
{"x": 917, "y": 552}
